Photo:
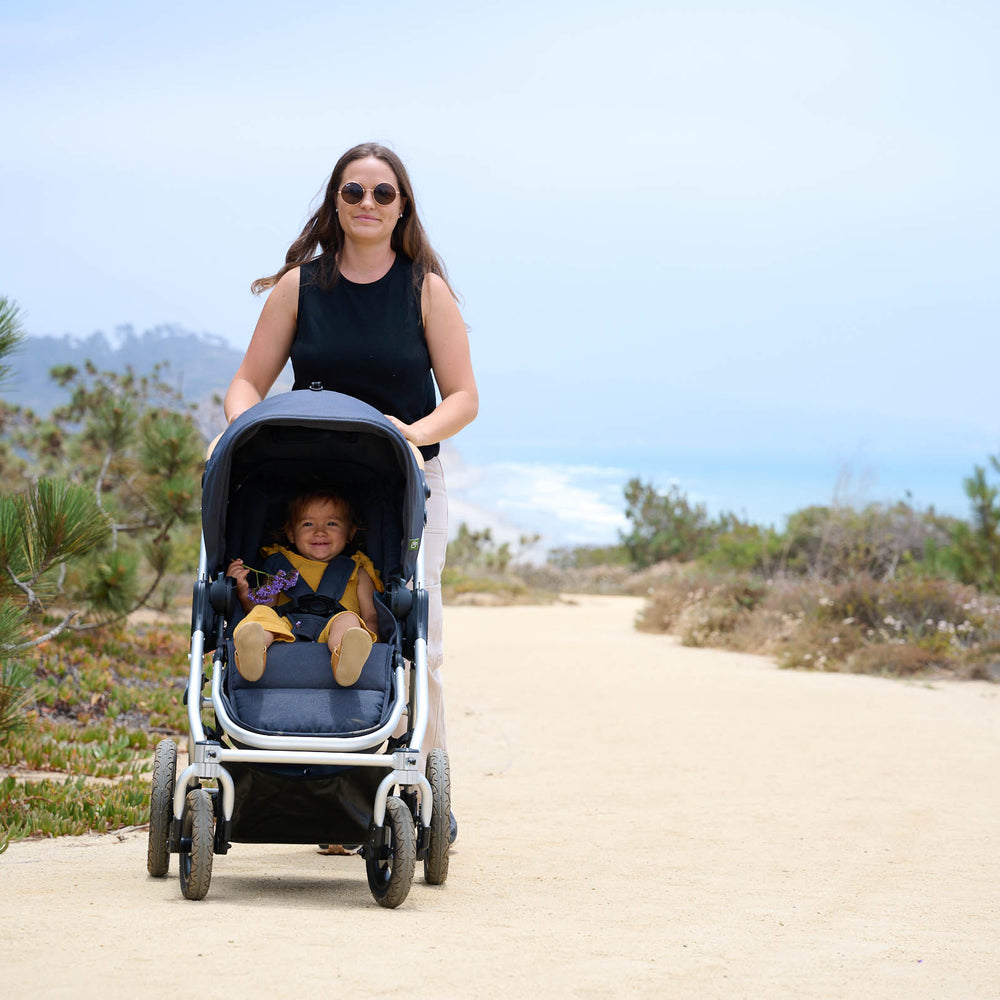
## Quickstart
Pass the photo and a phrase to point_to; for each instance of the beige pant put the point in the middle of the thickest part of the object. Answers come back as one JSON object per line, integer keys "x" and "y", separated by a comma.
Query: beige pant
{"x": 435, "y": 547}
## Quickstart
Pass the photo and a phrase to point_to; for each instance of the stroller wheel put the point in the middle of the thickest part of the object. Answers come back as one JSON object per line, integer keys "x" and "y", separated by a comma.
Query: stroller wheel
{"x": 197, "y": 835}
{"x": 439, "y": 841}
{"x": 161, "y": 808}
{"x": 391, "y": 855}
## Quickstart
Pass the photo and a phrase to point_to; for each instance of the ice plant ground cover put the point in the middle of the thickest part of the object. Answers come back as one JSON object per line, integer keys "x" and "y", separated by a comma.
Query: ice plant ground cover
{"x": 97, "y": 705}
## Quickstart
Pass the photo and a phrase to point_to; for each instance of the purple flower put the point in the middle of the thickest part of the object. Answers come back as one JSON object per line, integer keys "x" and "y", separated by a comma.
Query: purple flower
{"x": 273, "y": 586}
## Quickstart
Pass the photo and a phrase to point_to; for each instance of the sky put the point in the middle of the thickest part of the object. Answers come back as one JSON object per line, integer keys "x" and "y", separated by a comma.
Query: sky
{"x": 750, "y": 248}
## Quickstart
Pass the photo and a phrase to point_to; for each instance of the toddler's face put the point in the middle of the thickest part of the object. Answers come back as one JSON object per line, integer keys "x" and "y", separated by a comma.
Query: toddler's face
{"x": 322, "y": 531}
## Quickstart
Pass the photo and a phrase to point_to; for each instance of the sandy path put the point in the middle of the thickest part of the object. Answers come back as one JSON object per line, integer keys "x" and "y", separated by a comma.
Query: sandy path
{"x": 637, "y": 819}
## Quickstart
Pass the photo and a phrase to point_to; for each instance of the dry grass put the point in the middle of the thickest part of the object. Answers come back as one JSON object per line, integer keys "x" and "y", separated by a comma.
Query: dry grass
{"x": 901, "y": 627}
{"x": 906, "y": 626}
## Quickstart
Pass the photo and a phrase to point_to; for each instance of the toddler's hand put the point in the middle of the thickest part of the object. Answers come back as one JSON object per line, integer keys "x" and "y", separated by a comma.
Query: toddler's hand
{"x": 239, "y": 573}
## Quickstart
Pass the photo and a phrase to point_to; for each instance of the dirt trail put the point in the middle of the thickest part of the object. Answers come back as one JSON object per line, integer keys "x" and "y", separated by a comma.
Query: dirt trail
{"x": 637, "y": 819}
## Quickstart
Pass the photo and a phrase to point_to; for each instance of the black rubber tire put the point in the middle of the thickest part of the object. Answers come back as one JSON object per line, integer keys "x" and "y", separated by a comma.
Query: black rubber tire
{"x": 161, "y": 808}
{"x": 439, "y": 841}
{"x": 391, "y": 855}
{"x": 198, "y": 825}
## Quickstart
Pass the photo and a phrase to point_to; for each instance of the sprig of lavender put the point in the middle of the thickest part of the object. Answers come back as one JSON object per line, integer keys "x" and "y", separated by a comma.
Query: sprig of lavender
{"x": 273, "y": 585}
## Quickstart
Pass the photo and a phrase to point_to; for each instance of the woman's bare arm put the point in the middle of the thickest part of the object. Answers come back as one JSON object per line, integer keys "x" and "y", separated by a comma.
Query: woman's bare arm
{"x": 269, "y": 347}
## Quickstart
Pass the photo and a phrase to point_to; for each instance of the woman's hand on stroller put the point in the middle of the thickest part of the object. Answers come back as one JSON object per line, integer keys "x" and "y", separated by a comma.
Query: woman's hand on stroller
{"x": 406, "y": 431}
{"x": 403, "y": 428}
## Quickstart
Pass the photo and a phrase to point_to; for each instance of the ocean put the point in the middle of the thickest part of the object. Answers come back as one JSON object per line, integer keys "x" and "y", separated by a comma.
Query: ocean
{"x": 570, "y": 502}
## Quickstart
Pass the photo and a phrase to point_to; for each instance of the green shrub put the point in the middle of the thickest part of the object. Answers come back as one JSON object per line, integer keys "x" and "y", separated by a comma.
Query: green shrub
{"x": 744, "y": 548}
{"x": 841, "y": 542}
{"x": 974, "y": 553}
{"x": 589, "y": 557}
{"x": 664, "y": 526}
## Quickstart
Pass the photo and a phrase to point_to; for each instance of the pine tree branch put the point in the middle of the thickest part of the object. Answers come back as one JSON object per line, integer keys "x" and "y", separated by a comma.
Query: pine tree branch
{"x": 98, "y": 487}
{"x": 16, "y": 647}
{"x": 34, "y": 604}
{"x": 121, "y": 616}
{"x": 90, "y": 626}
{"x": 138, "y": 526}
{"x": 149, "y": 593}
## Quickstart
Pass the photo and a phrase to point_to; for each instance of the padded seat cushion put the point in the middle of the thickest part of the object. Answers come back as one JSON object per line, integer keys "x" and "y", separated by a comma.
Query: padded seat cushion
{"x": 297, "y": 694}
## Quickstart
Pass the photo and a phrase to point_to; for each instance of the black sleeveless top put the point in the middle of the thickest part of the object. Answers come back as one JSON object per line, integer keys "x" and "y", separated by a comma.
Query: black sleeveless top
{"x": 367, "y": 341}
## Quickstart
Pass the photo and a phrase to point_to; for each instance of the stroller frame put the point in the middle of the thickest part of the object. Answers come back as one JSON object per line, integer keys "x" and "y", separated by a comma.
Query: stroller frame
{"x": 197, "y": 822}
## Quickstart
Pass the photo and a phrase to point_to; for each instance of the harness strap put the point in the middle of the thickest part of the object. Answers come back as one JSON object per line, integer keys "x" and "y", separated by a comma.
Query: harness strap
{"x": 308, "y": 610}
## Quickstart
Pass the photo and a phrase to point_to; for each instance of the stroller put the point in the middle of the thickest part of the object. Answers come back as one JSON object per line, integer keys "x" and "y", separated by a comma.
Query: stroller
{"x": 292, "y": 758}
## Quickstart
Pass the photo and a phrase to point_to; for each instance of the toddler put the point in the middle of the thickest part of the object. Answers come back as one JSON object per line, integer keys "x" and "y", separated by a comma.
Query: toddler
{"x": 327, "y": 596}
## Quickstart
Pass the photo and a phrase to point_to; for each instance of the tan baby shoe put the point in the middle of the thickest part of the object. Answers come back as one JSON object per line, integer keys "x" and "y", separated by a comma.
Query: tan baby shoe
{"x": 349, "y": 657}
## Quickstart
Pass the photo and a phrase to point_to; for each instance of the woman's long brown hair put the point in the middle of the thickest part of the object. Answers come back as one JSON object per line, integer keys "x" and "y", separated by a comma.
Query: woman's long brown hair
{"x": 324, "y": 237}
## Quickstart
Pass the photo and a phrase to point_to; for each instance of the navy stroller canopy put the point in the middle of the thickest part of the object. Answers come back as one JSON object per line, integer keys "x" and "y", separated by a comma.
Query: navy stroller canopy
{"x": 304, "y": 440}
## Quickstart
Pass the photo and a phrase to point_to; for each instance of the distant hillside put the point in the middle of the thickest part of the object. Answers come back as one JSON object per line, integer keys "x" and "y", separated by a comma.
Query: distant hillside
{"x": 199, "y": 366}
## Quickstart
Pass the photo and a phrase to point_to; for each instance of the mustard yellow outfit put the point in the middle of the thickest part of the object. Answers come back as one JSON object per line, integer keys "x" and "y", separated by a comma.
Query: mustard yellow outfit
{"x": 312, "y": 570}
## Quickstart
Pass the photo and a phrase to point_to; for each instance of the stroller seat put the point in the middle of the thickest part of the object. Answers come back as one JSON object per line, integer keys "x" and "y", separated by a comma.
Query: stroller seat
{"x": 297, "y": 695}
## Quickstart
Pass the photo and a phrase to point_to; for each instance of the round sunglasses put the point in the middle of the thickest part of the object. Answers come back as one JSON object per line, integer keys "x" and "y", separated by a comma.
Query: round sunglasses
{"x": 352, "y": 192}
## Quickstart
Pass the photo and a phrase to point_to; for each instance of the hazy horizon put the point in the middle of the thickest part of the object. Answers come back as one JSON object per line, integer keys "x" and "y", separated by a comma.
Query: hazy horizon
{"x": 574, "y": 495}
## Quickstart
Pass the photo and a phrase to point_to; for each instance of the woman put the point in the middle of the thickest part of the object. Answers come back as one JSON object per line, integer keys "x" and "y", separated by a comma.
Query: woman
{"x": 363, "y": 306}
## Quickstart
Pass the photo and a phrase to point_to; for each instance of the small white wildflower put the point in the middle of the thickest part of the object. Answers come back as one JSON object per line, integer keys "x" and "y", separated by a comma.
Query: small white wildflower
{"x": 847, "y": 621}
{"x": 835, "y": 639}
{"x": 825, "y": 602}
